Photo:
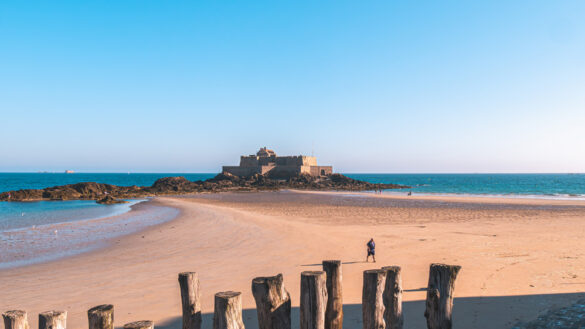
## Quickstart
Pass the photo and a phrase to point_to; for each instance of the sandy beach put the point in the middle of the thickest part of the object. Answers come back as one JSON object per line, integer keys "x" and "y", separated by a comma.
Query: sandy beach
{"x": 519, "y": 257}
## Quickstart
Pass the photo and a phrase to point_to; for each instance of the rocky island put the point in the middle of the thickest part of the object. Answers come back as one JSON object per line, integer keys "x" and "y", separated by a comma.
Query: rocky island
{"x": 180, "y": 185}
{"x": 260, "y": 172}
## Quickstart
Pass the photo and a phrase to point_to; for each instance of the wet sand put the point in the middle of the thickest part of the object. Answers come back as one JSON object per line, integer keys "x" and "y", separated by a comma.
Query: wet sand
{"x": 52, "y": 241}
{"x": 519, "y": 257}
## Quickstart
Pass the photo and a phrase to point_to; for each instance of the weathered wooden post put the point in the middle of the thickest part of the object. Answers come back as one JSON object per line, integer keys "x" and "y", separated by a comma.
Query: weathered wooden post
{"x": 53, "y": 320}
{"x": 392, "y": 297}
{"x": 334, "y": 311}
{"x": 191, "y": 300}
{"x": 439, "y": 303}
{"x": 101, "y": 317}
{"x": 272, "y": 302}
{"x": 228, "y": 311}
{"x": 144, "y": 324}
{"x": 372, "y": 299}
{"x": 15, "y": 319}
{"x": 313, "y": 299}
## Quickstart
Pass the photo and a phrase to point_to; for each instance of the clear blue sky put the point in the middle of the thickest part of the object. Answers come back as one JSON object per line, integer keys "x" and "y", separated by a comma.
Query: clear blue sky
{"x": 375, "y": 86}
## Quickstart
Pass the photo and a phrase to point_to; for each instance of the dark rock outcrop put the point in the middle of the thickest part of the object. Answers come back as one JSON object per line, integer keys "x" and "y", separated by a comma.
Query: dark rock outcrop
{"x": 108, "y": 199}
{"x": 180, "y": 185}
{"x": 170, "y": 184}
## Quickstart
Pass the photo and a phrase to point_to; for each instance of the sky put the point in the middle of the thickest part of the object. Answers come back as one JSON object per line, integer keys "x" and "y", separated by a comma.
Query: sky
{"x": 366, "y": 86}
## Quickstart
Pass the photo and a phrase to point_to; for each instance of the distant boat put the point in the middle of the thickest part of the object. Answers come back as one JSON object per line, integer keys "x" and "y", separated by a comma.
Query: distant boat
{"x": 69, "y": 171}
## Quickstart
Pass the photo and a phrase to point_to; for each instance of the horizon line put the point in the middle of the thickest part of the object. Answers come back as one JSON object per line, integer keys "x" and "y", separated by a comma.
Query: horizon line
{"x": 343, "y": 173}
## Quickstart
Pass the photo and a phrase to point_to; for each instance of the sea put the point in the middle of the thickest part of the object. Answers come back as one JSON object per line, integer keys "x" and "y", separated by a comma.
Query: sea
{"x": 61, "y": 228}
{"x": 542, "y": 186}
{"x": 23, "y": 214}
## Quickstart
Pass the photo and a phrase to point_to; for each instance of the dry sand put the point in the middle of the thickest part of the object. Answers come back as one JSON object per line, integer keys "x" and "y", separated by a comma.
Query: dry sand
{"x": 519, "y": 257}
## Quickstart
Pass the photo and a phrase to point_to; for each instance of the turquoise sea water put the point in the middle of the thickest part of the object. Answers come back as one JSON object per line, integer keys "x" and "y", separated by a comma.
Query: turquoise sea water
{"x": 19, "y": 181}
{"x": 15, "y": 215}
{"x": 514, "y": 185}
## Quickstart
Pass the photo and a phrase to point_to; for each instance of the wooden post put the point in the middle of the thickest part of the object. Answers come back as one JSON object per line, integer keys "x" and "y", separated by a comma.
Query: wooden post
{"x": 313, "y": 299}
{"x": 16, "y": 319}
{"x": 53, "y": 320}
{"x": 392, "y": 297}
{"x": 439, "y": 303}
{"x": 228, "y": 311}
{"x": 191, "y": 300}
{"x": 144, "y": 324}
{"x": 334, "y": 311}
{"x": 101, "y": 317}
{"x": 372, "y": 301}
{"x": 272, "y": 302}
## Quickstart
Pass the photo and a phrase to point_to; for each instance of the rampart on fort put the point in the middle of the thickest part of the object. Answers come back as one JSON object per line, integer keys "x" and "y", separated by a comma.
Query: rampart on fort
{"x": 267, "y": 163}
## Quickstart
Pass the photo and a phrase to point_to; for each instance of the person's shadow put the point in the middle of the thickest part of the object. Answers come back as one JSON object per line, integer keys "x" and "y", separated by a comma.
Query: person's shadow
{"x": 343, "y": 263}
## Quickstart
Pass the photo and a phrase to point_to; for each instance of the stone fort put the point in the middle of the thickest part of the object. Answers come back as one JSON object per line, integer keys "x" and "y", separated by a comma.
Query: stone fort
{"x": 266, "y": 162}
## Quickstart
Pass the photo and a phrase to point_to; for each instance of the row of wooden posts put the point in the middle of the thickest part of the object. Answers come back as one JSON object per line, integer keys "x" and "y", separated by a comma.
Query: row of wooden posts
{"x": 321, "y": 303}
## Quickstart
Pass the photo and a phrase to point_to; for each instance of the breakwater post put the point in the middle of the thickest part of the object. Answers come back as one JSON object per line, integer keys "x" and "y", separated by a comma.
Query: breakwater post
{"x": 228, "y": 310}
{"x": 372, "y": 301}
{"x": 334, "y": 311}
{"x": 144, "y": 324}
{"x": 273, "y": 303}
{"x": 191, "y": 300}
{"x": 439, "y": 303}
{"x": 392, "y": 298}
{"x": 15, "y": 319}
{"x": 53, "y": 320}
{"x": 320, "y": 302}
{"x": 313, "y": 299}
{"x": 101, "y": 317}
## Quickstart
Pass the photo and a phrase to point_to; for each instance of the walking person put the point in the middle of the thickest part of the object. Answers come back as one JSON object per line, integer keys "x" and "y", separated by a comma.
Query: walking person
{"x": 371, "y": 250}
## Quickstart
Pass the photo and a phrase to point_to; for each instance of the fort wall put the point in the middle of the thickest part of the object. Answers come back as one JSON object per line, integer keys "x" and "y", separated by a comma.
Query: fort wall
{"x": 240, "y": 171}
{"x": 265, "y": 162}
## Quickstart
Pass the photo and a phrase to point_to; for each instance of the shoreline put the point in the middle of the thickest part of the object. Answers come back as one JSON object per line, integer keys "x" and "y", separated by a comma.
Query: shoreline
{"x": 26, "y": 246}
{"x": 563, "y": 197}
{"x": 153, "y": 202}
{"x": 130, "y": 205}
{"x": 446, "y": 197}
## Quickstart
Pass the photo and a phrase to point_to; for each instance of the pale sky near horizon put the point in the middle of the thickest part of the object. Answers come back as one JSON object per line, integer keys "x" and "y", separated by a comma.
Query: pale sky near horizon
{"x": 369, "y": 86}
